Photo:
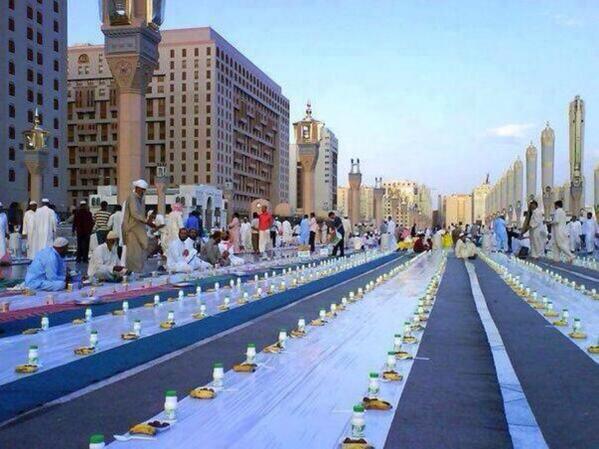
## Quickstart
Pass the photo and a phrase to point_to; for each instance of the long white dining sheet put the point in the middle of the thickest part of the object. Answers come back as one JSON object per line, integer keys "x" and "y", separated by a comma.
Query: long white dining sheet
{"x": 563, "y": 297}
{"x": 303, "y": 397}
{"x": 56, "y": 345}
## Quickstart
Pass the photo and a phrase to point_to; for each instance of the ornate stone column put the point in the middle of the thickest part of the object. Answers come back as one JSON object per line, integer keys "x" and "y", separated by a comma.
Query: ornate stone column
{"x": 308, "y": 156}
{"x": 547, "y": 165}
{"x": 518, "y": 189}
{"x": 161, "y": 181}
{"x": 378, "y": 193}
{"x": 576, "y": 116}
{"x": 131, "y": 31}
{"x": 355, "y": 181}
{"x": 531, "y": 173}
{"x": 35, "y": 157}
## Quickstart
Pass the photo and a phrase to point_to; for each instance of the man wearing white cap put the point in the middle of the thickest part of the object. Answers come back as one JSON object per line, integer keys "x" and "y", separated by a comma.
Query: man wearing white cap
{"x": 48, "y": 270}
{"x": 44, "y": 228}
{"x": 4, "y": 255}
{"x": 104, "y": 264}
{"x": 181, "y": 256}
{"x": 28, "y": 228}
{"x": 134, "y": 228}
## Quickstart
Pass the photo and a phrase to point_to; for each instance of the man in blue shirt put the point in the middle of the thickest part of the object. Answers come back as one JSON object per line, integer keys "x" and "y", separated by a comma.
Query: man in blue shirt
{"x": 194, "y": 221}
{"x": 48, "y": 271}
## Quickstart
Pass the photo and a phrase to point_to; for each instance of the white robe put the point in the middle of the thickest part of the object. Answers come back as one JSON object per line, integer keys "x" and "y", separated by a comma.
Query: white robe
{"x": 3, "y": 234}
{"x": 246, "y": 236}
{"x": 177, "y": 262}
{"x": 102, "y": 263}
{"x": 44, "y": 229}
{"x": 560, "y": 244}
{"x": 437, "y": 240}
{"x": 464, "y": 250}
{"x": 391, "y": 231}
{"x": 28, "y": 231}
{"x": 115, "y": 223}
{"x": 287, "y": 233}
{"x": 538, "y": 234}
{"x": 174, "y": 222}
{"x": 589, "y": 230}
{"x": 574, "y": 231}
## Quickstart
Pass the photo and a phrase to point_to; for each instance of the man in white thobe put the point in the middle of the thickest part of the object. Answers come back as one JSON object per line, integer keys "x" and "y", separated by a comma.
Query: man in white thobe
{"x": 115, "y": 223}
{"x": 181, "y": 256}
{"x": 28, "y": 228}
{"x": 287, "y": 232}
{"x": 574, "y": 231}
{"x": 246, "y": 235}
{"x": 589, "y": 230}
{"x": 537, "y": 230}
{"x": 464, "y": 248}
{"x": 560, "y": 244}
{"x": 346, "y": 228}
{"x": 391, "y": 231}
{"x": 104, "y": 263}
{"x": 3, "y": 235}
{"x": 44, "y": 227}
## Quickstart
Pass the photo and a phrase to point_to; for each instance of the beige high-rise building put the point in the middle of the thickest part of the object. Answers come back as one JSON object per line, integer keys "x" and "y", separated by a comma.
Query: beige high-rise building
{"x": 457, "y": 208}
{"x": 33, "y": 37}
{"x": 479, "y": 197}
{"x": 213, "y": 117}
{"x": 408, "y": 202}
{"x": 366, "y": 202}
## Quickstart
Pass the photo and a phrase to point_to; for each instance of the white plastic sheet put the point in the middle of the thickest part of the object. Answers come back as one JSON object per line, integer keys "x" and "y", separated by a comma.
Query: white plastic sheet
{"x": 563, "y": 297}
{"x": 56, "y": 345}
{"x": 19, "y": 302}
{"x": 303, "y": 397}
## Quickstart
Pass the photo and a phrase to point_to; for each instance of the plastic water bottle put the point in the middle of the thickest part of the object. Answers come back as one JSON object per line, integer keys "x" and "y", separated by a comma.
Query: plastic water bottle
{"x": 358, "y": 423}
{"x": 373, "y": 385}
{"x": 96, "y": 442}
{"x": 93, "y": 339}
{"x": 250, "y": 353}
{"x": 170, "y": 405}
{"x": 181, "y": 294}
{"x": 391, "y": 360}
{"x": 282, "y": 338}
{"x": 218, "y": 374}
{"x": 88, "y": 314}
{"x": 125, "y": 306}
{"x": 45, "y": 325}
{"x": 156, "y": 300}
{"x": 137, "y": 327}
{"x": 33, "y": 355}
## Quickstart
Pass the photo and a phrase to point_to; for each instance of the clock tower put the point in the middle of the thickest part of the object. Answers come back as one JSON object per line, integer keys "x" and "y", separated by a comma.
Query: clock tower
{"x": 307, "y": 137}
{"x": 132, "y": 35}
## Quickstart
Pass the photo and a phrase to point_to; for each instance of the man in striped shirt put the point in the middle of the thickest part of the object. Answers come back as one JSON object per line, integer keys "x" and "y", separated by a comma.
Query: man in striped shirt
{"x": 101, "y": 219}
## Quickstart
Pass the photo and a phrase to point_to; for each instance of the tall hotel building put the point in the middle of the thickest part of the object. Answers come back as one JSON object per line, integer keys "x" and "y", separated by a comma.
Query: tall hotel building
{"x": 213, "y": 117}
{"x": 33, "y": 75}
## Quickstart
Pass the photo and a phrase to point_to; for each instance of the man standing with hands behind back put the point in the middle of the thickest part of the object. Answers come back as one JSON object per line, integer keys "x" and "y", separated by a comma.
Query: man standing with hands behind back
{"x": 134, "y": 228}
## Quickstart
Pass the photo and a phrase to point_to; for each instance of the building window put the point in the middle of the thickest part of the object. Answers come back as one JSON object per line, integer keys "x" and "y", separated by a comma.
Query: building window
{"x": 29, "y": 54}
{"x": 40, "y": 18}
{"x": 56, "y": 7}
{"x": 11, "y": 132}
{"x": 11, "y": 24}
{"x": 55, "y": 45}
{"x": 11, "y": 4}
{"x": 29, "y": 12}
{"x": 11, "y": 110}
{"x": 11, "y": 175}
{"x": 40, "y": 58}
{"x": 11, "y": 46}
{"x": 30, "y": 33}
{"x": 55, "y": 182}
{"x": 55, "y": 162}
{"x": 56, "y": 26}
{"x": 40, "y": 99}
{"x": 56, "y": 104}
{"x": 40, "y": 39}
{"x": 11, "y": 89}
{"x": 40, "y": 79}
{"x": 11, "y": 68}
{"x": 11, "y": 154}
{"x": 56, "y": 84}
{"x": 56, "y": 65}
{"x": 55, "y": 123}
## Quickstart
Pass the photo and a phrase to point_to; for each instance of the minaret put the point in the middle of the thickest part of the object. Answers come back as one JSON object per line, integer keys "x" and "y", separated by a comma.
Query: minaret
{"x": 307, "y": 138}
{"x": 576, "y": 117}
{"x": 547, "y": 161}
{"x": 510, "y": 195}
{"x": 355, "y": 180}
{"x": 518, "y": 189}
{"x": 131, "y": 37}
{"x": 531, "y": 172}
{"x": 379, "y": 193}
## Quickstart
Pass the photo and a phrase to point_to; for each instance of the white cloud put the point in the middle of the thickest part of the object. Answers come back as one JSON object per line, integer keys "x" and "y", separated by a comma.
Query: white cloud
{"x": 510, "y": 130}
{"x": 567, "y": 21}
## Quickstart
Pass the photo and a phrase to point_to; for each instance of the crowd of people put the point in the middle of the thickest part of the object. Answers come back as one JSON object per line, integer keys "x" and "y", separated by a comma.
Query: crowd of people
{"x": 120, "y": 241}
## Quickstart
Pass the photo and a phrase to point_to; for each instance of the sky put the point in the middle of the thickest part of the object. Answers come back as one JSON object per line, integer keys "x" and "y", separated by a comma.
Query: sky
{"x": 440, "y": 92}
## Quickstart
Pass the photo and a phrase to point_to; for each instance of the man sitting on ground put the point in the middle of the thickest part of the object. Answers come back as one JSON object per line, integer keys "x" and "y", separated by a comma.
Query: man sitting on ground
{"x": 211, "y": 253}
{"x": 105, "y": 264}
{"x": 420, "y": 245}
{"x": 48, "y": 270}
{"x": 181, "y": 256}
{"x": 464, "y": 248}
